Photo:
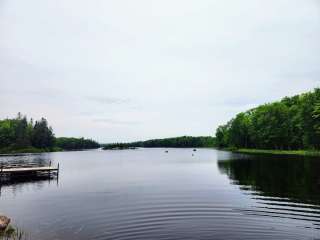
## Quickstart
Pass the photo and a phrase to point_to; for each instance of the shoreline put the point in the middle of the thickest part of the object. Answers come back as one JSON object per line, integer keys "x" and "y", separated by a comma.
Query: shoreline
{"x": 305, "y": 153}
{"x": 4, "y": 152}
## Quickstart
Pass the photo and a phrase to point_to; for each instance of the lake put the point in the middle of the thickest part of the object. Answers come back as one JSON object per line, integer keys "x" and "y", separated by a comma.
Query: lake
{"x": 151, "y": 194}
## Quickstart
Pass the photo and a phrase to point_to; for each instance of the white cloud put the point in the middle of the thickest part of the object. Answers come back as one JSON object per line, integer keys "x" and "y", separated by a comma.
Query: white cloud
{"x": 177, "y": 67}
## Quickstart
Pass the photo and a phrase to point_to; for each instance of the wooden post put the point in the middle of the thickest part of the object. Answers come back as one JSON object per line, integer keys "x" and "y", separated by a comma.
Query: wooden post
{"x": 58, "y": 174}
{"x": 1, "y": 171}
{"x": 49, "y": 170}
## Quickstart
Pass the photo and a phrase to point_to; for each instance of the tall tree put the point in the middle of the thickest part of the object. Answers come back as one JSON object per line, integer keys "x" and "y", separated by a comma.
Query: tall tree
{"x": 42, "y": 134}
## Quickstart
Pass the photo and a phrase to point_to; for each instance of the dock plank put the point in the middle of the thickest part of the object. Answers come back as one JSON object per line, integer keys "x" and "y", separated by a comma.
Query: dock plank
{"x": 29, "y": 169}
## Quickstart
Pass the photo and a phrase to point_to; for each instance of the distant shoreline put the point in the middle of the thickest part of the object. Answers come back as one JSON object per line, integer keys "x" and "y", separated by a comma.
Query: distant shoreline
{"x": 308, "y": 153}
{"x": 174, "y": 142}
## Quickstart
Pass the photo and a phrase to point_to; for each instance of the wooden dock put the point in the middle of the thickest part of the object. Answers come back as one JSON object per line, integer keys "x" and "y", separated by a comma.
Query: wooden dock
{"x": 28, "y": 170}
{"x": 17, "y": 170}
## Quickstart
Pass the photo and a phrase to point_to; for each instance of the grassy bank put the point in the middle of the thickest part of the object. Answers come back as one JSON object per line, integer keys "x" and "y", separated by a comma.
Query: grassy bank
{"x": 10, "y": 150}
{"x": 278, "y": 152}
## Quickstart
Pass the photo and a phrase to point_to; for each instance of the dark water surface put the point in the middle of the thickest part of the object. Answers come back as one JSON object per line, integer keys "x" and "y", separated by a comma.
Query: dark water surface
{"x": 150, "y": 194}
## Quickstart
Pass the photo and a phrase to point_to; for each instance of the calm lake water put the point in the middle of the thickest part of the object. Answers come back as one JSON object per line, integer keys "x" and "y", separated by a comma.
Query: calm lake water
{"x": 150, "y": 194}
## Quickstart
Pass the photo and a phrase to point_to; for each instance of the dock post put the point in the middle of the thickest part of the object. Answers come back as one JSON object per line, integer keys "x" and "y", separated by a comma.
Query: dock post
{"x": 1, "y": 172}
{"x": 58, "y": 175}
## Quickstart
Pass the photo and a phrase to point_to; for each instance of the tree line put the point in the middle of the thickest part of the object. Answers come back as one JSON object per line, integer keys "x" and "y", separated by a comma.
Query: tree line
{"x": 290, "y": 124}
{"x": 21, "y": 133}
{"x": 177, "y": 142}
{"x": 76, "y": 143}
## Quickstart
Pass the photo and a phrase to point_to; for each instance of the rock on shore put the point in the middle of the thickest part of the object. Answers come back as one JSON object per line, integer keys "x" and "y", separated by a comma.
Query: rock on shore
{"x": 4, "y": 222}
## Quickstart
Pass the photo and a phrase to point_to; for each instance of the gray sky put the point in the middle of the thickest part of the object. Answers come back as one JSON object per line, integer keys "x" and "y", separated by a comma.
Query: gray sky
{"x": 122, "y": 70}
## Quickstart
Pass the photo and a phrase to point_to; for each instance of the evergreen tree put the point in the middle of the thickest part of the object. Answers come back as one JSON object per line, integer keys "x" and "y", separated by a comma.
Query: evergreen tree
{"x": 42, "y": 134}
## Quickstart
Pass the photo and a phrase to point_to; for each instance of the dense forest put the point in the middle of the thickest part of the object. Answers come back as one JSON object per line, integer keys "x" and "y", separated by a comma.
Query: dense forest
{"x": 292, "y": 123}
{"x": 177, "y": 142}
{"x": 21, "y": 134}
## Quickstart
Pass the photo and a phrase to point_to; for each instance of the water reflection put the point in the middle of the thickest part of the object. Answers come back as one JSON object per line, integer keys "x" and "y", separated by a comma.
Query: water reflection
{"x": 297, "y": 179}
{"x": 18, "y": 185}
{"x": 282, "y": 187}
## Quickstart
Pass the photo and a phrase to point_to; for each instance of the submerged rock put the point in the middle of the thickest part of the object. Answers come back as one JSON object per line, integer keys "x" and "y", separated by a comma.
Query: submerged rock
{"x": 4, "y": 222}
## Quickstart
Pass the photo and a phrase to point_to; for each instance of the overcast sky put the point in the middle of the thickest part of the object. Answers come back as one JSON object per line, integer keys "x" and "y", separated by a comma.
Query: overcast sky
{"x": 122, "y": 70}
